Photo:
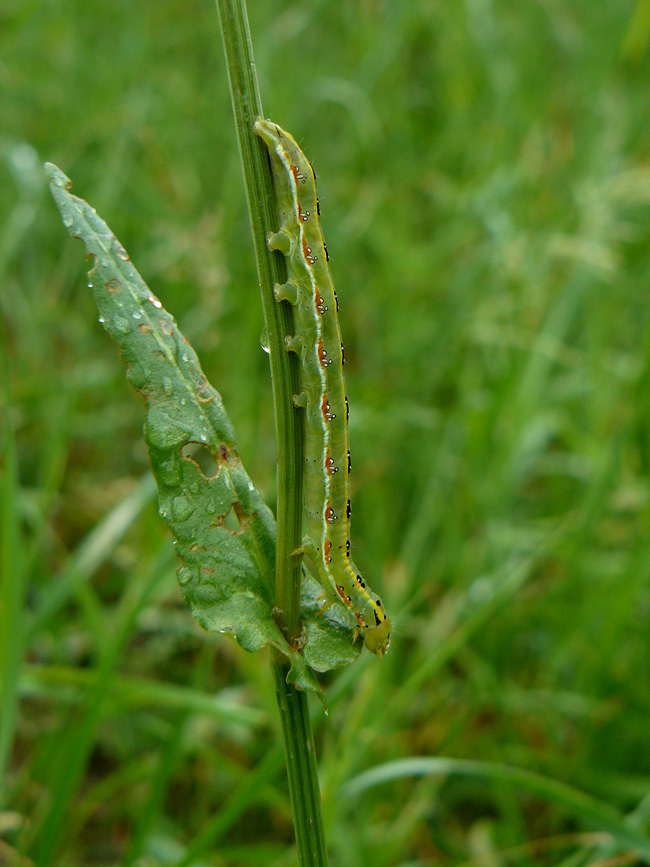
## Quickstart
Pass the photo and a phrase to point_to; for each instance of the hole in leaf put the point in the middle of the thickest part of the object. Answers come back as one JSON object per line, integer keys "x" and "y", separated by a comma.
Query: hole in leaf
{"x": 231, "y": 522}
{"x": 202, "y": 457}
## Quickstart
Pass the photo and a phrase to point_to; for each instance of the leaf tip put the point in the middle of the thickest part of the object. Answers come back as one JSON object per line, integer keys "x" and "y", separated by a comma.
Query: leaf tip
{"x": 56, "y": 177}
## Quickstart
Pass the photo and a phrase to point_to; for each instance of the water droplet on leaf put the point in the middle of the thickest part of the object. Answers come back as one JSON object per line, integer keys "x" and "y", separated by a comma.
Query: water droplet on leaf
{"x": 120, "y": 252}
{"x": 181, "y": 508}
{"x": 184, "y": 575}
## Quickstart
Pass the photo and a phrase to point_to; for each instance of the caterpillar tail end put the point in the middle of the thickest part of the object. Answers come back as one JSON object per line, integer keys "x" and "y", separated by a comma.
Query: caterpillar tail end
{"x": 377, "y": 638}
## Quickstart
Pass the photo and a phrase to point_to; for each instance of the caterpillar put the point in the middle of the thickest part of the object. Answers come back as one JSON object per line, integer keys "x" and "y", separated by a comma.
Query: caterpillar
{"x": 317, "y": 342}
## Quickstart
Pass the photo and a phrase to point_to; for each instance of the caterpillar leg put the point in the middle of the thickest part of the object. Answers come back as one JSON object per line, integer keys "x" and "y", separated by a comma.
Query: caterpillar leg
{"x": 327, "y": 600}
{"x": 295, "y": 344}
{"x": 300, "y": 400}
{"x": 297, "y": 552}
{"x": 287, "y": 292}
{"x": 279, "y": 241}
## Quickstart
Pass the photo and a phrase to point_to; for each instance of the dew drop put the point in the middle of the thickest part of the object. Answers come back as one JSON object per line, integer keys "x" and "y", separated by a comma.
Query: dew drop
{"x": 264, "y": 339}
{"x": 120, "y": 252}
{"x": 101, "y": 319}
{"x": 184, "y": 575}
{"x": 137, "y": 314}
{"x": 182, "y": 508}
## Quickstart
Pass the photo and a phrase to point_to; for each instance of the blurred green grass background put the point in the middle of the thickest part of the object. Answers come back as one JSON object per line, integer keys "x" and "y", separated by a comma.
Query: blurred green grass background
{"x": 485, "y": 186}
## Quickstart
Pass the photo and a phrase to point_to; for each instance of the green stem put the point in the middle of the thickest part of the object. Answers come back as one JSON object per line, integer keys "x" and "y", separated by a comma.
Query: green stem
{"x": 278, "y": 318}
{"x": 301, "y": 767}
{"x": 292, "y": 704}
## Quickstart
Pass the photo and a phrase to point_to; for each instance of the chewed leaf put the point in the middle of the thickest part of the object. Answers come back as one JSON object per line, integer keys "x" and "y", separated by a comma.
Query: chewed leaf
{"x": 327, "y": 632}
{"x": 225, "y": 533}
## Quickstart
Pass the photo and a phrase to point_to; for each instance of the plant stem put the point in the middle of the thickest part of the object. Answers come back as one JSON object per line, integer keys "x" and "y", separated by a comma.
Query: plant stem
{"x": 292, "y": 704}
{"x": 278, "y": 318}
{"x": 301, "y": 767}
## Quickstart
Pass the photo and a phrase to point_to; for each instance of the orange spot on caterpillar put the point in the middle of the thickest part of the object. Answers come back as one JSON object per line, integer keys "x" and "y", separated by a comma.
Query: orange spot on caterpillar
{"x": 322, "y": 354}
{"x": 298, "y": 176}
{"x": 347, "y": 601}
{"x": 306, "y": 252}
{"x": 330, "y": 517}
{"x": 328, "y": 415}
{"x": 326, "y": 551}
{"x": 318, "y": 301}
{"x": 329, "y": 463}
{"x": 303, "y": 215}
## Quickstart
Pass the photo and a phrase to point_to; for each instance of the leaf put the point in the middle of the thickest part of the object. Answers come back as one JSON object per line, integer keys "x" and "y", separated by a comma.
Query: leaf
{"x": 225, "y": 533}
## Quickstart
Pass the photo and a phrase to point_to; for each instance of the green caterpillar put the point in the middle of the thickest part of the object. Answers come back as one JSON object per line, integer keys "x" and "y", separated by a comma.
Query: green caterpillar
{"x": 317, "y": 341}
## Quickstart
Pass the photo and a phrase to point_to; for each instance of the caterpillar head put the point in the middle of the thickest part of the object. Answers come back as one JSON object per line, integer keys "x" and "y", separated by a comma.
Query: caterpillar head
{"x": 377, "y": 638}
